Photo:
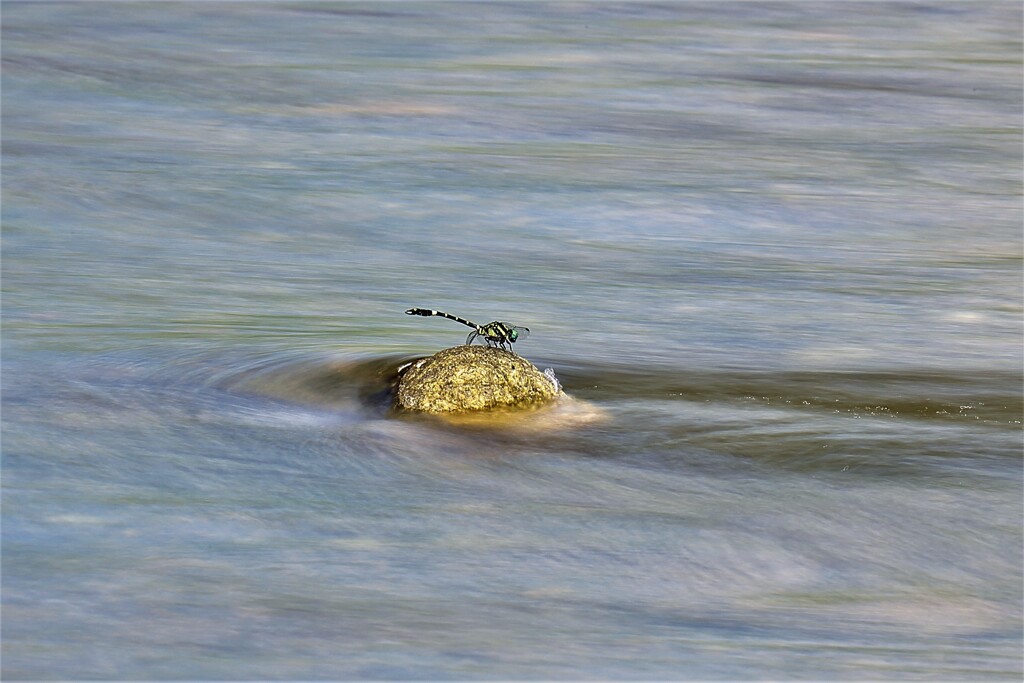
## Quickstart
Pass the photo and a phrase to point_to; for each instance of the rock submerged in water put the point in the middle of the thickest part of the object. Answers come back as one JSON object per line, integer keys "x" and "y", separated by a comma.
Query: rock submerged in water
{"x": 473, "y": 378}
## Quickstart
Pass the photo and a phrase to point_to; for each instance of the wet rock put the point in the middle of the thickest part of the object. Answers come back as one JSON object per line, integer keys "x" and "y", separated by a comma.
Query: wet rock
{"x": 473, "y": 378}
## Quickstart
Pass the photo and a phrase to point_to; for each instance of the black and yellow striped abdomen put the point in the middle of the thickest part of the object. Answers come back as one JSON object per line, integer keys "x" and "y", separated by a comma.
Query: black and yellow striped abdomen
{"x": 441, "y": 314}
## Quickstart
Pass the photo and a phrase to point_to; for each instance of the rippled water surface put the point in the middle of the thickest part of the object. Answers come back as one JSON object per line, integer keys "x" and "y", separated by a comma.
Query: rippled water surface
{"x": 772, "y": 251}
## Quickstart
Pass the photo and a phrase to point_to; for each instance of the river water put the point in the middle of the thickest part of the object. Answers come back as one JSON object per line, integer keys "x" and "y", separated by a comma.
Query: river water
{"x": 772, "y": 250}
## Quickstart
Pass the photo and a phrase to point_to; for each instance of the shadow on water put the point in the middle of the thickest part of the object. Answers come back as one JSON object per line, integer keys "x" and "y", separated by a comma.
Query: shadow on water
{"x": 325, "y": 382}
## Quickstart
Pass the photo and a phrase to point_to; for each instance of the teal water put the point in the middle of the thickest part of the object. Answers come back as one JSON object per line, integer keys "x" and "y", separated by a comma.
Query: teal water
{"x": 776, "y": 246}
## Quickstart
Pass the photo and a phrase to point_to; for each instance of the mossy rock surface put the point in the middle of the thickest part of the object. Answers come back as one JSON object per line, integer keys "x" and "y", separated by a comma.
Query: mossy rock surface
{"x": 473, "y": 378}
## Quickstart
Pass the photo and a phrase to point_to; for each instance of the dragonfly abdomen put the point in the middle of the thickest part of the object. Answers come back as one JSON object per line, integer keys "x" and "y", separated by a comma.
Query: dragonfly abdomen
{"x": 441, "y": 314}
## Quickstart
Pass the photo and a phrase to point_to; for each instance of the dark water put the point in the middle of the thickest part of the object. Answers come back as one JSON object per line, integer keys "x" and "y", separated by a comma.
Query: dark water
{"x": 772, "y": 250}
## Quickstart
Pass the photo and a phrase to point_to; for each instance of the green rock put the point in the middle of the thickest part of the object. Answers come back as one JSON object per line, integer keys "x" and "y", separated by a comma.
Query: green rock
{"x": 473, "y": 378}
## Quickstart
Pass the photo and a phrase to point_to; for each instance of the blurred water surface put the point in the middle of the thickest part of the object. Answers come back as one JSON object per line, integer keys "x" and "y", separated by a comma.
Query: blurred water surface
{"x": 777, "y": 245}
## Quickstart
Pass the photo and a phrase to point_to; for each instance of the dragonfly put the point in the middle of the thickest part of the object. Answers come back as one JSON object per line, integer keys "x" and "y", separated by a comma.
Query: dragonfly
{"x": 502, "y": 335}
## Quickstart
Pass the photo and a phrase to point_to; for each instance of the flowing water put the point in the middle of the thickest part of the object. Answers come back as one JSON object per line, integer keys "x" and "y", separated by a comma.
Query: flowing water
{"x": 773, "y": 251}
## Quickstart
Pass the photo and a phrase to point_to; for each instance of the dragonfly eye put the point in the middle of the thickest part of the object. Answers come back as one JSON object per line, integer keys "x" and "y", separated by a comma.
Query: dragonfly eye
{"x": 513, "y": 335}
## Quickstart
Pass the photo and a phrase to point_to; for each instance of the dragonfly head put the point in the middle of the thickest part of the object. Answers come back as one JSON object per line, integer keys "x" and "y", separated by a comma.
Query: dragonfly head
{"x": 513, "y": 335}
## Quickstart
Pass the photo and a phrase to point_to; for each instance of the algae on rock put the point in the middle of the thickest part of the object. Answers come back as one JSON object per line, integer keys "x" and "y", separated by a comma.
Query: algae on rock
{"x": 472, "y": 378}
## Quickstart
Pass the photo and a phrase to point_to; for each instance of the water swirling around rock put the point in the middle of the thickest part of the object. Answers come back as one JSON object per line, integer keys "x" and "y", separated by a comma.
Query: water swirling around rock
{"x": 803, "y": 421}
